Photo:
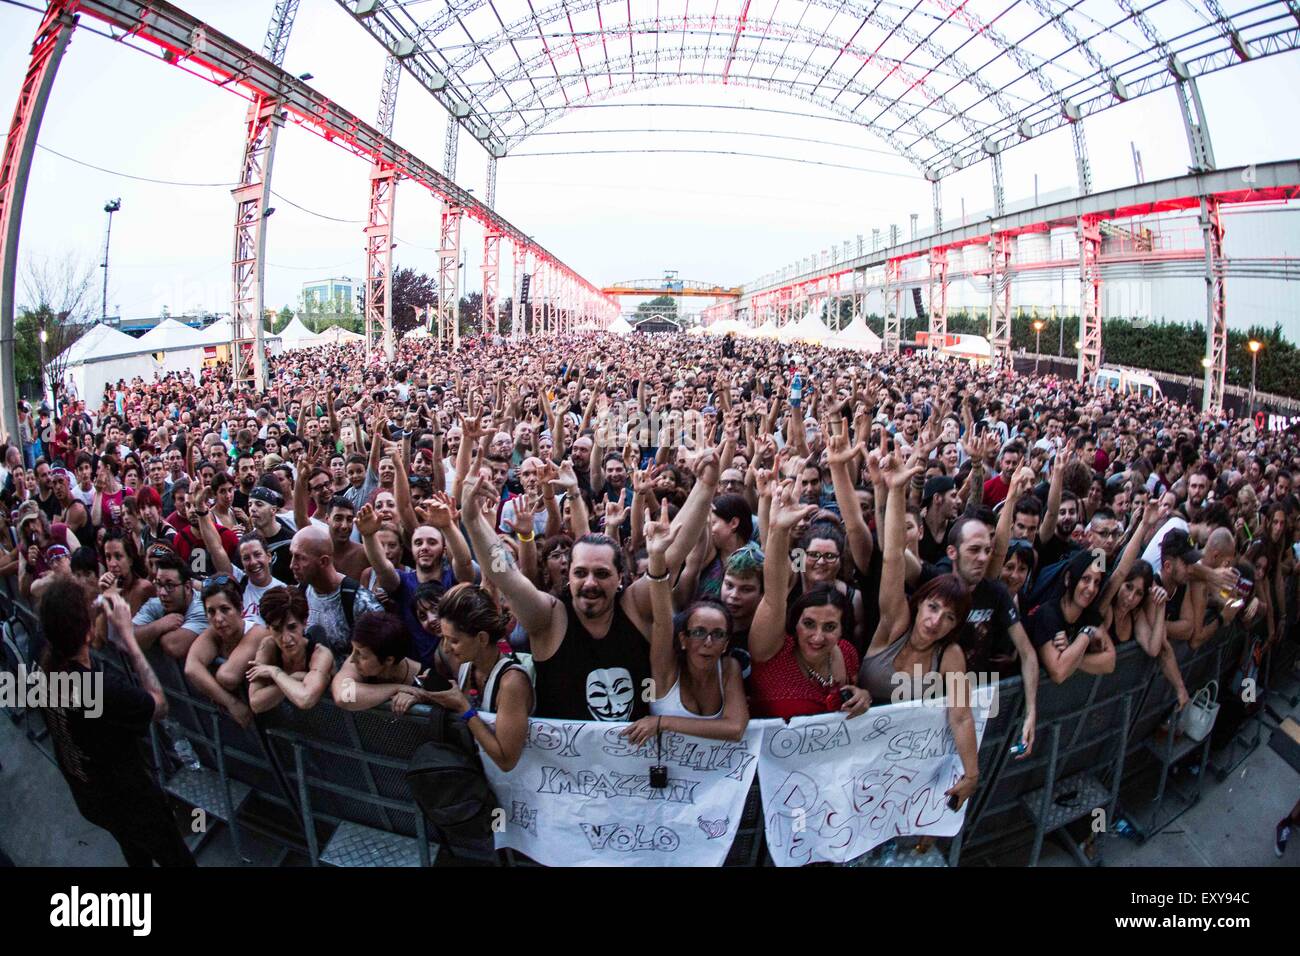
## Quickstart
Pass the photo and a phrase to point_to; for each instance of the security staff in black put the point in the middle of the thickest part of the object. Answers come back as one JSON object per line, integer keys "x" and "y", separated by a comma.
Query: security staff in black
{"x": 98, "y": 732}
{"x": 591, "y": 650}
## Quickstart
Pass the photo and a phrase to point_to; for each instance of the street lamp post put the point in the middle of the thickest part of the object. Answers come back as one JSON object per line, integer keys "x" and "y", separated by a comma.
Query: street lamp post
{"x": 1254, "y": 345}
{"x": 110, "y": 207}
{"x": 1038, "y": 342}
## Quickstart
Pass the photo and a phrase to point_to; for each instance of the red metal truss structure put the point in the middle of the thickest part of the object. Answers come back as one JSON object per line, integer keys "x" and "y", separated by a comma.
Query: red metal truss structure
{"x": 261, "y": 129}
{"x": 946, "y": 84}
{"x": 47, "y": 50}
{"x": 379, "y": 230}
{"x": 276, "y": 98}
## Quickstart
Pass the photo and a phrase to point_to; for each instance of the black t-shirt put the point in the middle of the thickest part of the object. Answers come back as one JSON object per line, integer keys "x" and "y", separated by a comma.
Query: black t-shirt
{"x": 50, "y": 505}
{"x": 100, "y": 755}
{"x": 1048, "y": 621}
{"x": 278, "y": 546}
{"x": 986, "y": 635}
{"x": 930, "y": 549}
{"x": 1054, "y": 551}
{"x": 590, "y": 679}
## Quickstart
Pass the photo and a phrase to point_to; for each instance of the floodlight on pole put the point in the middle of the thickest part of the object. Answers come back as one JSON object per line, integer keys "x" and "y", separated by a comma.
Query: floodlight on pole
{"x": 1254, "y": 345}
{"x": 1038, "y": 342}
{"x": 110, "y": 207}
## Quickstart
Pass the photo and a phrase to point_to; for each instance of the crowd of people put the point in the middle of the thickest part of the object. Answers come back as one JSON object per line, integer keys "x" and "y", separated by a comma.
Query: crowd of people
{"x": 672, "y": 532}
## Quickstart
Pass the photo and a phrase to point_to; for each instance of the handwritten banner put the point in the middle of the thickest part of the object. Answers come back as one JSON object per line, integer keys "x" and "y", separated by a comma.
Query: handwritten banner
{"x": 833, "y": 788}
{"x": 581, "y": 795}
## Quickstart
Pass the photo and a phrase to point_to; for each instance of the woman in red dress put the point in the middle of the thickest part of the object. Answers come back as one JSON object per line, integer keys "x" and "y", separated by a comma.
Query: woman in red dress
{"x": 803, "y": 663}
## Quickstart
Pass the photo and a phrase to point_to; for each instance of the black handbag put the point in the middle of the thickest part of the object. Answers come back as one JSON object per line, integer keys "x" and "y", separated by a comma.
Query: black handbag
{"x": 448, "y": 783}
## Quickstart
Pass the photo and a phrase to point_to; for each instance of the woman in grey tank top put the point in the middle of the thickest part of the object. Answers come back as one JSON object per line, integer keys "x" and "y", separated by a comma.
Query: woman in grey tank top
{"x": 916, "y": 643}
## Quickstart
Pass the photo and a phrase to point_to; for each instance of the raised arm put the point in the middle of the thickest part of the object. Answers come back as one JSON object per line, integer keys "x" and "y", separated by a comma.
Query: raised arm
{"x": 385, "y": 575}
{"x": 300, "y": 494}
{"x": 539, "y": 613}
{"x": 1047, "y": 529}
{"x": 1020, "y": 483}
{"x": 663, "y": 653}
{"x": 402, "y": 493}
{"x": 212, "y": 542}
{"x": 767, "y": 633}
{"x": 894, "y": 616}
{"x": 842, "y": 458}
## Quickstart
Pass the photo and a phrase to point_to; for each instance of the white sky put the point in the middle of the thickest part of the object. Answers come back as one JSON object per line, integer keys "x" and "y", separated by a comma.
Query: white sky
{"x": 724, "y": 219}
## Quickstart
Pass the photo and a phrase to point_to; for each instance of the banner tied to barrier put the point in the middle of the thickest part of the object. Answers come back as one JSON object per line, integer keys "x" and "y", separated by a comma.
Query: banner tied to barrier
{"x": 581, "y": 795}
{"x": 832, "y": 789}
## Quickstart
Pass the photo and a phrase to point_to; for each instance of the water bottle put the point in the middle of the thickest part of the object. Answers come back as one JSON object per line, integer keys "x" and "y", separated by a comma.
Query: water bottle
{"x": 185, "y": 750}
{"x": 796, "y": 391}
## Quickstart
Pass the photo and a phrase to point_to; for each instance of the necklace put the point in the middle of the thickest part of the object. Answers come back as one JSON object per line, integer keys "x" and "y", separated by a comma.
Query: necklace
{"x": 825, "y": 682}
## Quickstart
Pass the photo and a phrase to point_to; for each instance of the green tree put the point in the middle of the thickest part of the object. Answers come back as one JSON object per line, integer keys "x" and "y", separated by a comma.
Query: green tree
{"x": 661, "y": 307}
{"x": 282, "y": 319}
{"x": 411, "y": 290}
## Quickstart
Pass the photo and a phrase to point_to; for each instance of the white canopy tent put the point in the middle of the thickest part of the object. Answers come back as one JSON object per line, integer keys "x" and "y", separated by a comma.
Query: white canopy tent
{"x": 104, "y": 356}
{"x": 295, "y": 335}
{"x": 809, "y": 329}
{"x": 973, "y": 348}
{"x": 170, "y": 334}
{"x": 620, "y": 326}
{"x": 337, "y": 335}
{"x": 856, "y": 335}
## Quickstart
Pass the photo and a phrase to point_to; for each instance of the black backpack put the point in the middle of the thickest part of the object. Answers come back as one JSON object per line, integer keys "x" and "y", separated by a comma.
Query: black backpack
{"x": 447, "y": 781}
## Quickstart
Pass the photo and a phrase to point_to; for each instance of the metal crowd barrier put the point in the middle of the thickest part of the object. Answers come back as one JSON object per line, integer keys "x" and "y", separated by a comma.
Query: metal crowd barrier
{"x": 339, "y": 775}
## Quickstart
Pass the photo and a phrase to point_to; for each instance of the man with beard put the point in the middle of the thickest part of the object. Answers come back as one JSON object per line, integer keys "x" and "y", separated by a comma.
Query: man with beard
{"x": 590, "y": 648}
{"x": 428, "y": 545}
{"x": 941, "y": 503}
{"x": 246, "y": 477}
{"x": 1198, "y": 488}
{"x": 45, "y": 496}
{"x": 993, "y": 635}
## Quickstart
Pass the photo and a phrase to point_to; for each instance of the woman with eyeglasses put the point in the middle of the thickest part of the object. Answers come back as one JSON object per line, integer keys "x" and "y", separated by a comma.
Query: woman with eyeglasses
{"x": 698, "y": 685}
{"x": 553, "y": 564}
{"x": 228, "y": 635}
{"x": 819, "y": 561}
{"x": 802, "y": 661}
{"x": 291, "y": 663}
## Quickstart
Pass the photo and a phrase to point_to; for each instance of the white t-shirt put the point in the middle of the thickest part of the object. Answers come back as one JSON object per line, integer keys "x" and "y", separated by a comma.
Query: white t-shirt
{"x": 253, "y": 596}
{"x": 1152, "y": 553}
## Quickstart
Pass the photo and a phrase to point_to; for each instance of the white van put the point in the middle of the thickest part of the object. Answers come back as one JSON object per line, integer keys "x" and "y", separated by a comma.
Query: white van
{"x": 1129, "y": 381}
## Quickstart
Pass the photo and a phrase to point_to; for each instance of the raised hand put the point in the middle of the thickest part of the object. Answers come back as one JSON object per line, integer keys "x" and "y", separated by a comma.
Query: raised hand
{"x": 642, "y": 484}
{"x": 897, "y": 474}
{"x": 615, "y": 511}
{"x": 659, "y": 533}
{"x": 566, "y": 480}
{"x": 786, "y": 511}
{"x": 367, "y": 521}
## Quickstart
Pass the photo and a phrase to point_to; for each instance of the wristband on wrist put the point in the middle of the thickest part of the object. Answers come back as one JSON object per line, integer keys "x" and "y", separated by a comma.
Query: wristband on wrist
{"x": 660, "y": 577}
{"x": 468, "y": 715}
{"x": 531, "y": 535}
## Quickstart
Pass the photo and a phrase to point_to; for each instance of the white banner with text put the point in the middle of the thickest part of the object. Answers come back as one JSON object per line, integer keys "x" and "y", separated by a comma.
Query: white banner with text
{"x": 582, "y": 795}
{"x": 834, "y": 789}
